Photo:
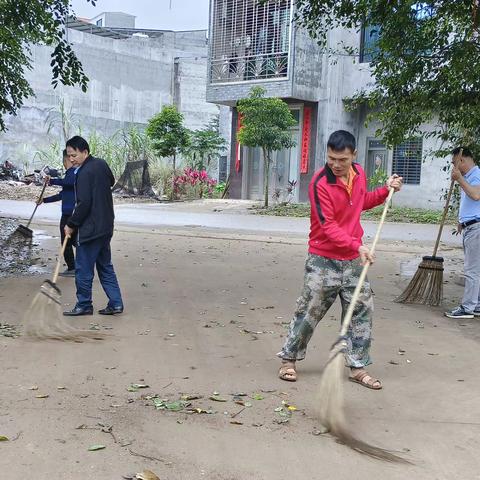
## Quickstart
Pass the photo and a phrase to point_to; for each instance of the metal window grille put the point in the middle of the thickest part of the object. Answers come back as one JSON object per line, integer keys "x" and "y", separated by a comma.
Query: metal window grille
{"x": 250, "y": 40}
{"x": 407, "y": 160}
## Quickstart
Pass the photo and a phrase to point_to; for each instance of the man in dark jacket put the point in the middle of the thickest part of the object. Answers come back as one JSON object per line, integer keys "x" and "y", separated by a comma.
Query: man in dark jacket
{"x": 67, "y": 196}
{"x": 91, "y": 224}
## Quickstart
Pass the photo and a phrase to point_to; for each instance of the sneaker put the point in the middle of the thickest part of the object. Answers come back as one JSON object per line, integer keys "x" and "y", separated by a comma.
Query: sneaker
{"x": 476, "y": 312}
{"x": 68, "y": 273}
{"x": 459, "y": 312}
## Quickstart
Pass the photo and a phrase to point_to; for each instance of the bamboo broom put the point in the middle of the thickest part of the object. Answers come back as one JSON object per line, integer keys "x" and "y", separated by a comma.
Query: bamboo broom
{"x": 44, "y": 319}
{"x": 332, "y": 411}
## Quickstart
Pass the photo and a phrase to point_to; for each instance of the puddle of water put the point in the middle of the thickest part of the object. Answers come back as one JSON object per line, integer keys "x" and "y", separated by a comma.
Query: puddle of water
{"x": 42, "y": 235}
{"x": 409, "y": 266}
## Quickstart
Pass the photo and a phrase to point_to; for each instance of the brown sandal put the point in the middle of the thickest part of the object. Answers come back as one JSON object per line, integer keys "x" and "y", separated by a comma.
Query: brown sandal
{"x": 363, "y": 378}
{"x": 287, "y": 372}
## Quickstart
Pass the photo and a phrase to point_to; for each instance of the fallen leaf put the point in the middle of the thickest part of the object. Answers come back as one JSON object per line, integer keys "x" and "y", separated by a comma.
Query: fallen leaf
{"x": 217, "y": 398}
{"x": 3, "y": 438}
{"x": 34, "y": 387}
{"x": 200, "y": 410}
{"x": 236, "y": 422}
{"x": 257, "y": 396}
{"x": 94, "y": 448}
{"x": 193, "y": 396}
{"x": 46, "y": 395}
{"x": 292, "y": 408}
{"x": 320, "y": 431}
{"x": 393, "y": 362}
{"x": 134, "y": 387}
{"x": 146, "y": 475}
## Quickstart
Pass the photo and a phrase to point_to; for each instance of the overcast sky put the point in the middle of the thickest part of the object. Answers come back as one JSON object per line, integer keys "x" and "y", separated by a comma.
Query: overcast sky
{"x": 184, "y": 14}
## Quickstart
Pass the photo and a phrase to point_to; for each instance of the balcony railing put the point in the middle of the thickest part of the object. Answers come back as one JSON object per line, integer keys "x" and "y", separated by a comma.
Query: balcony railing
{"x": 255, "y": 67}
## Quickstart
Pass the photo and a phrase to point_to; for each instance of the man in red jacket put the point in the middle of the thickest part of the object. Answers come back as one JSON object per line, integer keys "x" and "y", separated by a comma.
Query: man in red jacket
{"x": 338, "y": 195}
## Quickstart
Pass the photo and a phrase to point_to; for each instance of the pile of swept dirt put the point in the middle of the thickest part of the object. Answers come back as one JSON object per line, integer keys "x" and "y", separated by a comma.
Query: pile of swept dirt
{"x": 18, "y": 255}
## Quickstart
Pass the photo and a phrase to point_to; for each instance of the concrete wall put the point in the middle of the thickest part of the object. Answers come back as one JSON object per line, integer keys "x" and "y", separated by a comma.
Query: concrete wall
{"x": 115, "y": 20}
{"x": 130, "y": 81}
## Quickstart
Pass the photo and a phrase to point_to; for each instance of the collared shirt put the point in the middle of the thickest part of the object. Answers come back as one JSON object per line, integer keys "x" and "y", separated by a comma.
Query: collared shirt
{"x": 349, "y": 182}
{"x": 469, "y": 208}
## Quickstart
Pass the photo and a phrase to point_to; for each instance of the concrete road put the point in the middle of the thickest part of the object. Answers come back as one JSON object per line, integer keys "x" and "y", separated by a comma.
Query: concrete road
{"x": 188, "y": 215}
{"x": 207, "y": 315}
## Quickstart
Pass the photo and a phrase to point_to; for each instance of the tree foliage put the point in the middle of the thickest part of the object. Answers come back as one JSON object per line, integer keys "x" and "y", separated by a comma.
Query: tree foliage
{"x": 426, "y": 65}
{"x": 205, "y": 145}
{"x": 266, "y": 123}
{"x": 22, "y": 24}
{"x": 167, "y": 132}
{"x": 168, "y": 135}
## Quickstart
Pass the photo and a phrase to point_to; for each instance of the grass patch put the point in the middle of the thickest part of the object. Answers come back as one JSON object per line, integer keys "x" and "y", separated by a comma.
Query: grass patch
{"x": 395, "y": 214}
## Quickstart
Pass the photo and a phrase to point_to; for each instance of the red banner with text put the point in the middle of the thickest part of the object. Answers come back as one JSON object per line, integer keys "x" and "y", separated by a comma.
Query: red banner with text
{"x": 306, "y": 132}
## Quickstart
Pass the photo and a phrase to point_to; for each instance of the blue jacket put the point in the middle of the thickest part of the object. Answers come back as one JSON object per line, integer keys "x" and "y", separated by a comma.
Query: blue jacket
{"x": 67, "y": 195}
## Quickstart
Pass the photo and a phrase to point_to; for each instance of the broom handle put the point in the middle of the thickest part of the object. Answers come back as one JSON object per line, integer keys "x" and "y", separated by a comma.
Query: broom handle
{"x": 38, "y": 201}
{"x": 444, "y": 216}
{"x": 59, "y": 259}
{"x": 348, "y": 317}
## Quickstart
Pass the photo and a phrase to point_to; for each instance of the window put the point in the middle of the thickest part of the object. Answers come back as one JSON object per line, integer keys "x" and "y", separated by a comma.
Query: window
{"x": 99, "y": 23}
{"x": 370, "y": 34}
{"x": 407, "y": 160}
{"x": 250, "y": 40}
{"x": 368, "y": 43}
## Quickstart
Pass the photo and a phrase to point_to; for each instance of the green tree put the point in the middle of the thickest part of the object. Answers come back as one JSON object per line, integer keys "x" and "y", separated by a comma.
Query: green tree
{"x": 169, "y": 136}
{"x": 205, "y": 145}
{"x": 426, "y": 64}
{"x": 27, "y": 22}
{"x": 266, "y": 123}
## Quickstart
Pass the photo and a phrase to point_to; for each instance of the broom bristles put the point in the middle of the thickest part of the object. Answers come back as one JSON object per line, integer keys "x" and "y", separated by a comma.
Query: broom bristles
{"x": 426, "y": 286}
{"x": 44, "y": 321}
{"x": 332, "y": 412}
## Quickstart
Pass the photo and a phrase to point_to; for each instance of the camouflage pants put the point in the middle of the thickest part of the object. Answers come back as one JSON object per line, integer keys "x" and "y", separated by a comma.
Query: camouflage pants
{"x": 326, "y": 278}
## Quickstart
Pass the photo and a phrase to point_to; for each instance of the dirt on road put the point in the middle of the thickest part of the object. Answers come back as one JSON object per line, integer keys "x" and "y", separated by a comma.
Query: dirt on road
{"x": 186, "y": 382}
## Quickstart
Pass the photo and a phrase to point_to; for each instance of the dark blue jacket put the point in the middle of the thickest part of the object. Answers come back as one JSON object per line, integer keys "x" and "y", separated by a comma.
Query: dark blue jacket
{"x": 93, "y": 215}
{"x": 67, "y": 195}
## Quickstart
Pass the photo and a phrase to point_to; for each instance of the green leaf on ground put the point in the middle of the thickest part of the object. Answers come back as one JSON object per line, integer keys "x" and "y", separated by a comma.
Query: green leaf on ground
{"x": 3, "y": 438}
{"x": 135, "y": 387}
{"x": 94, "y": 448}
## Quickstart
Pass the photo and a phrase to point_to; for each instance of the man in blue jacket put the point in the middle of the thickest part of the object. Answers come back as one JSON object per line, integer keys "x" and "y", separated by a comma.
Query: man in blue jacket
{"x": 67, "y": 196}
{"x": 91, "y": 225}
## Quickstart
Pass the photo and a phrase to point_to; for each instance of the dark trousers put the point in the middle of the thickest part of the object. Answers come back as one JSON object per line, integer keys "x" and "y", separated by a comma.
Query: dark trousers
{"x": 96, "y": 253}
{"x": 68, "y": 254}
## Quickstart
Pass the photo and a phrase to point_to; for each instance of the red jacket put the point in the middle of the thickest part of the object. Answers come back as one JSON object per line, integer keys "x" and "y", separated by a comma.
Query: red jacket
{"x": 335, "y": 230}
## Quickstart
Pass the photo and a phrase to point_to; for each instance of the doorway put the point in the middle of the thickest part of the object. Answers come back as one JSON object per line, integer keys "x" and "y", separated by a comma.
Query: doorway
{"x": 284, "y": 171}
{"x": 376, "y": 163}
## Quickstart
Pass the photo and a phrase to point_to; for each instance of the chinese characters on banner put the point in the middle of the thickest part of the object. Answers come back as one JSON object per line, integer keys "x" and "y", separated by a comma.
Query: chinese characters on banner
{"x": 238, "y": 150}
{"x": 307, "y": 122}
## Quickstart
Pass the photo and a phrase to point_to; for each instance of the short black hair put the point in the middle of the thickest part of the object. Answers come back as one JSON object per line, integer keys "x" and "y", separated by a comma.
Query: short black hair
{"x": 78, "y": 143}
{"x": 466, "y": 152}
{"x": 340, "y": 140}
{"x": 65, "y": 153}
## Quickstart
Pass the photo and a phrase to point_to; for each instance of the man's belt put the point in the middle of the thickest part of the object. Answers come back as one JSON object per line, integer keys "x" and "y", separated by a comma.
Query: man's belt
{"x": 470, "y": 222}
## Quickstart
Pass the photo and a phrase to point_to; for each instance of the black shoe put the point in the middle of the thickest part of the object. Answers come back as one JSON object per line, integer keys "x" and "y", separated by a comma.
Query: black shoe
{"x": 68, "y": 273}
{"x": 77, "y": 311}
{"x": 108, "y": 310}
